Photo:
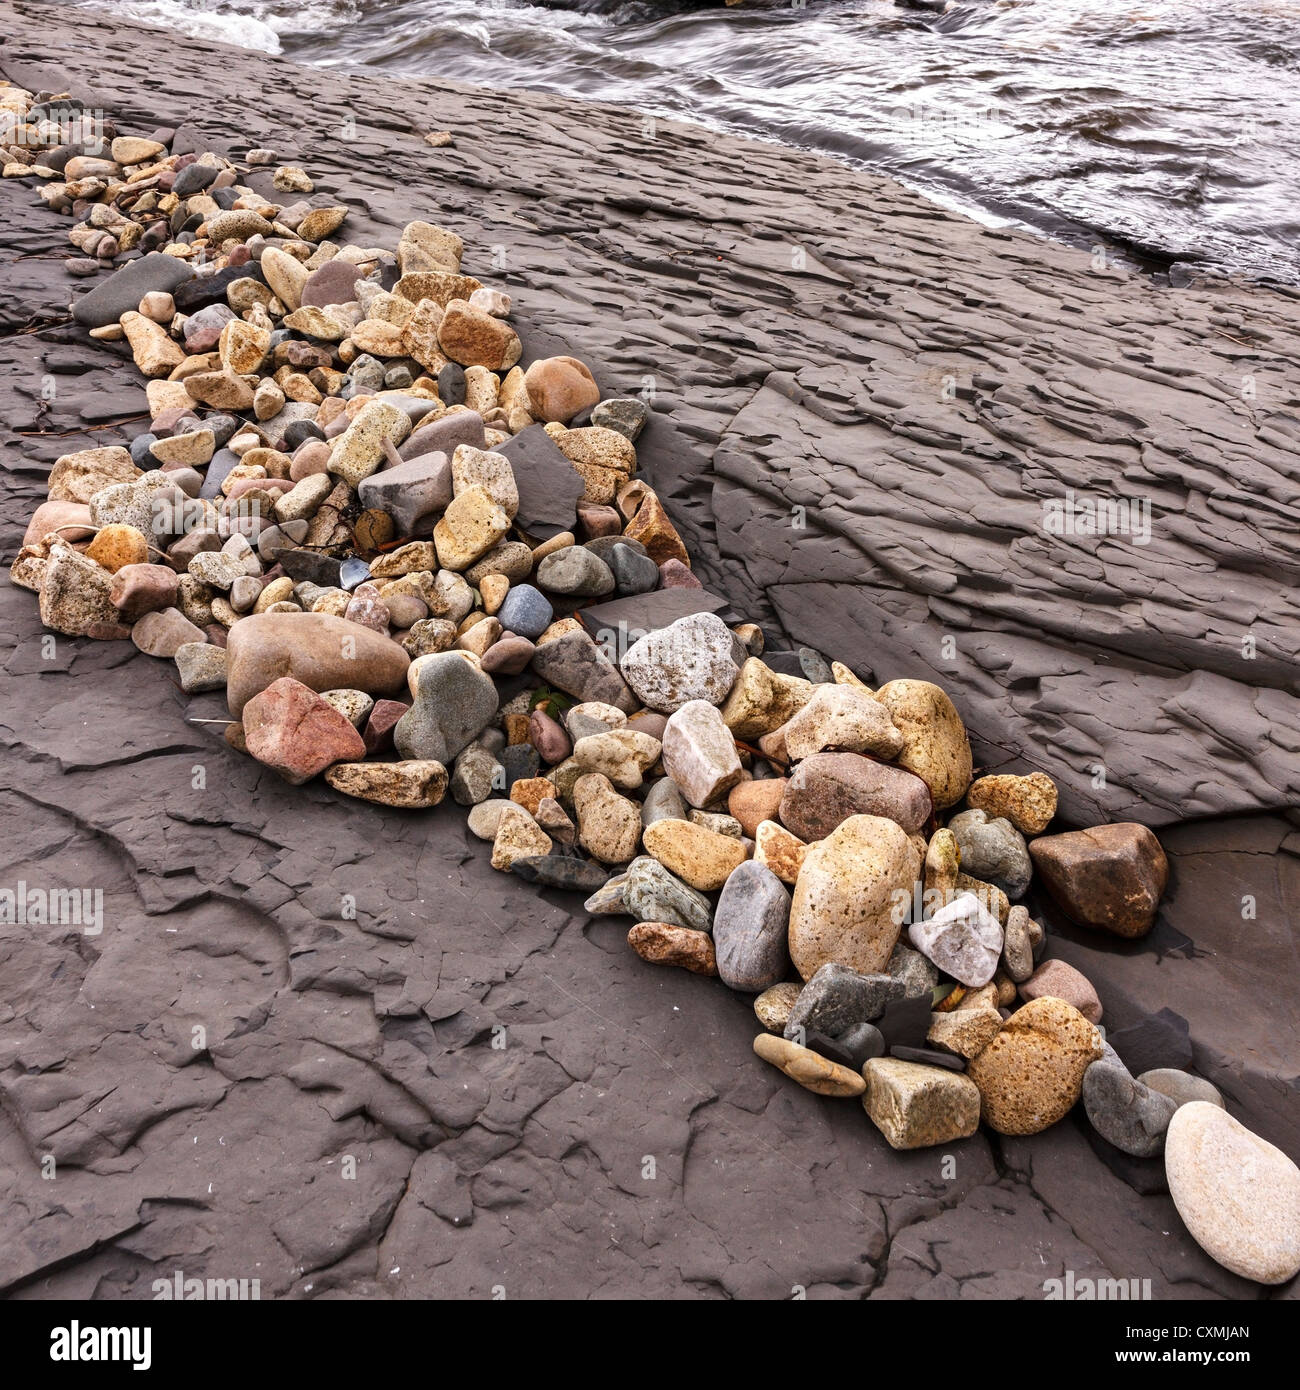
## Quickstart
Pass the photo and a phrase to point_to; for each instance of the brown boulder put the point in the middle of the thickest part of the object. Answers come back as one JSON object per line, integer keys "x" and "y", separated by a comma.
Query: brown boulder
{"x": 1110, "y": 877}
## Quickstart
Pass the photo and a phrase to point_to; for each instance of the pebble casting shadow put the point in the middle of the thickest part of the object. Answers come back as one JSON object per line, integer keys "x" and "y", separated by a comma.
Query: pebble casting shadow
{"x": 821, "y": 388}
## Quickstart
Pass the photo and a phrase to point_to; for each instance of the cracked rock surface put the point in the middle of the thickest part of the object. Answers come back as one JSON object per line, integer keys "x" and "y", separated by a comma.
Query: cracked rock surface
{"x": 324, "y": 1045}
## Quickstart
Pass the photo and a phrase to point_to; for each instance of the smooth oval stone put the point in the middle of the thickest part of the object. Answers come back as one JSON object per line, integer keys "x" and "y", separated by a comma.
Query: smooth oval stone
{"x": 749, "y": 929}
{"x": 575, "y": 571}
{"x": 663, "y": 801}
{"x": 1237, "y": 1194}
{"x": 1181, "y": 1086}
{"x": 526, "y": 610}
{"x": 1124, "y": 1112}
{"x": 633, "y": 573}
{"x": 318, "y": 649}
{"x": 604, "y": 545}
{"x": 993, "y": 850}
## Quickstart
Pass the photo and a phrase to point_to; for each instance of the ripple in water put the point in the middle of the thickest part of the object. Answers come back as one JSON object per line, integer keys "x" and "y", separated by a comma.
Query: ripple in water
{"x": 1167, "y": 127}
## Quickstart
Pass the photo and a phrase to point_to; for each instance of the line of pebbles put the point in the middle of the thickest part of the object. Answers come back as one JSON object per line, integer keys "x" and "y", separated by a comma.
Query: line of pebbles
{"x": 415, "y": 565}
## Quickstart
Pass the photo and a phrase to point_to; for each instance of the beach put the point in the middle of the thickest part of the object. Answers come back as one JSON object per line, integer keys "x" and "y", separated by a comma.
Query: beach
{"x": 863, "y": 409}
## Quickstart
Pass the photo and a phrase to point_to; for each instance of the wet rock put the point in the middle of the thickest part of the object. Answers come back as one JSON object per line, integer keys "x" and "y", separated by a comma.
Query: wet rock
{"x": 962, "y": 939}
{"x": 845, "y": 906}
{"x": 1110, "y": 877}
{"x": 1237, "y": 1194}
{"x": 1031, "y": 1074}
{"x": 749, "y": 929}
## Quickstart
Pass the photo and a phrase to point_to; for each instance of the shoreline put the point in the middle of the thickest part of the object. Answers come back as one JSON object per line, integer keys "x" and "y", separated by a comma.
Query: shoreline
{"x": 716, "y": 417}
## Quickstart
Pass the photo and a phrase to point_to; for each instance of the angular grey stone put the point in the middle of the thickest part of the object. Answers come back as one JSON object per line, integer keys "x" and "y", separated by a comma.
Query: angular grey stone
{"x": 549, "y": 485}
{"x": 836, "y": 998}
{"x": 410, "y": 492}
{"x": 475, "y": 776}
{"x": 911, "y": 969}
{"x": 575, "y": 664}
{"x": 125, "y": 288}
{"x": 652, "y": 894}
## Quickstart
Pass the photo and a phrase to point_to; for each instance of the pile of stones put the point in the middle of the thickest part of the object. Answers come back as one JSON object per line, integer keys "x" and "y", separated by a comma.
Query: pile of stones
{"x": 416, "y": 567}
